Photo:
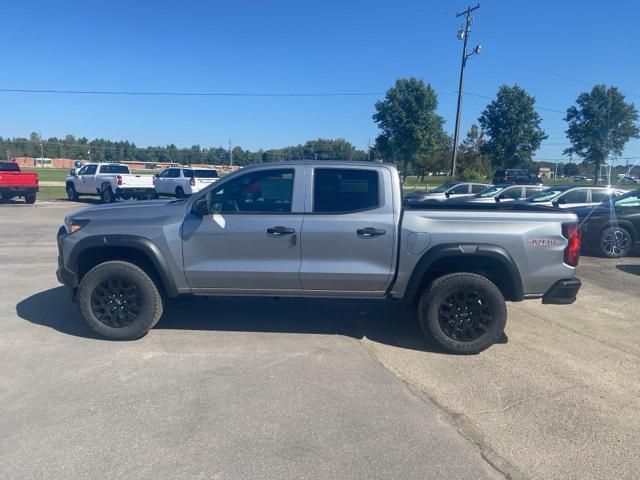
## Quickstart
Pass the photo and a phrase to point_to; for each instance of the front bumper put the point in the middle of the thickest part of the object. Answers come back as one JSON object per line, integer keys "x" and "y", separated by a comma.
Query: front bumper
{"x": 563, "y": 292}
{"x": 64, "y": 276}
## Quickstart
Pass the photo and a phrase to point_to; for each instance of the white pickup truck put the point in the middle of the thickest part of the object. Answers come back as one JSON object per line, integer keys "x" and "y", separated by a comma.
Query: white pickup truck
{"x": 110, "y": 181}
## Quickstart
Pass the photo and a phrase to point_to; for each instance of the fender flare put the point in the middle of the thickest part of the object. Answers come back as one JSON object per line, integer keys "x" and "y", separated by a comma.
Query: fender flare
{"x": 141, "y": 244}
{"x": 495, "y": 253}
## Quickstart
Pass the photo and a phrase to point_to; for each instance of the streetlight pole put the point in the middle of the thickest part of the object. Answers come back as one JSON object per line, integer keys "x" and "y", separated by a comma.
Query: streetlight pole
{"x": 463, "y": 35}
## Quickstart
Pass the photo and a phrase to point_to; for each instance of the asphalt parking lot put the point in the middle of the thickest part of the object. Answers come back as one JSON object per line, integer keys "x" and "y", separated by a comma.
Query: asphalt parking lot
{"x": 237, "y": 388}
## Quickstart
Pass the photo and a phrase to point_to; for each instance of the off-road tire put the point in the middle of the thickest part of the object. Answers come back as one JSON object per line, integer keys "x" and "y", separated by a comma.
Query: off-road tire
{"x": 150, "y": 305}
{"x": 488, "y": 302}
{"x": 615, "y": 242}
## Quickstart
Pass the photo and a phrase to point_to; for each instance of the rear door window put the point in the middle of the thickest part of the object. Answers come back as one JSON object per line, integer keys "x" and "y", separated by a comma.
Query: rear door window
{"x": 600, "y": 196}
{"x": 478, "y": 188}
{"x": 337, "y": 190}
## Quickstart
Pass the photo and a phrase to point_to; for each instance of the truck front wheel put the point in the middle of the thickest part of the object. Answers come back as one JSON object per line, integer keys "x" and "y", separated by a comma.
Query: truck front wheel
{"x": 72, "y": 195}
{"x": 464, "y": 312}
{"x": 119, "y": 300}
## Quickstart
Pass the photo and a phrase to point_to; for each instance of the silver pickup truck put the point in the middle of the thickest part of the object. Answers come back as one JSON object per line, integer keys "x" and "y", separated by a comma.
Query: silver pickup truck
{"x": 321, "y": 230}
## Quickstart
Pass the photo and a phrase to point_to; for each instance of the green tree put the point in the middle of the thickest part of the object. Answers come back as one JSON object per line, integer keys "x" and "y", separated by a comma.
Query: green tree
{"x": 513, "y": 128}
{"x": 600, "y": 125}
{"x": 470, "y": 157}
{"x": 409, "y": 122}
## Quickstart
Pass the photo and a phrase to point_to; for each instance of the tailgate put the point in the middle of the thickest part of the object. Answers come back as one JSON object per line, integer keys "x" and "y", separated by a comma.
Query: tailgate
{"x": 18, "y": 179}
{"x": 136, "y": 181}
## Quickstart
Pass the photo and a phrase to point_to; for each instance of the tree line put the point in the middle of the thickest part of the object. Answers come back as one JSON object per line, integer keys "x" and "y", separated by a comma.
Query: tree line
{"x": 412, "y": 135}
{"x": 102, "y": 150}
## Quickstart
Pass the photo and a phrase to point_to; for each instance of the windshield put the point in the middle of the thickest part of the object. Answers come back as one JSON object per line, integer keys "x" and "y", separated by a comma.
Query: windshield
{"x": 489, "y": 192}
{"x": 546, "y": 195}
{"x": 631, "y": 199}
{"x": 444, "y": 187}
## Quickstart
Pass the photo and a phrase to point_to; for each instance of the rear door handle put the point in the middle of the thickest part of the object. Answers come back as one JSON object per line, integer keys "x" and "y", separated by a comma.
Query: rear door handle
{"x": 279, "y": 231}
{"x": 370, "y": 232}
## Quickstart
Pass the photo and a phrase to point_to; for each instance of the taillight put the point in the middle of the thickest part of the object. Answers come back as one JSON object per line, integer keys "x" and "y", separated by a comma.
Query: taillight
{"x": 119, "y": 180}
{"x": 193, "y": 182}
{"x": 572, "y": 252}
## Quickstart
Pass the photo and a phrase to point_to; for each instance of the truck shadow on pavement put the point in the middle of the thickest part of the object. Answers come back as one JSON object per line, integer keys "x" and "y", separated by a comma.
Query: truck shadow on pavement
{"x": 382, "y": 321}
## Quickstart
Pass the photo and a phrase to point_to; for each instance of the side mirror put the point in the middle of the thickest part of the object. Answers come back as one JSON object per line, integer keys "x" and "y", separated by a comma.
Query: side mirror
{"x": 498, "y": 198}
{"x": 73, "y": 172}
{"x": 447, "y": 194}
{"x": 200, "y": 208}
{"x": 156, "y": 175}
{"x": 501, "y": 196}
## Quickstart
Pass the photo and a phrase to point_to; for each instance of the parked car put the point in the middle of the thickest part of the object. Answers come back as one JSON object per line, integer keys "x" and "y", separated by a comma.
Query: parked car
{"x": 455, "y": 189}
{"x": 612, "y": 227}
{"x": 570, "y": 196}
{"x": 182, "y": 181}
{"x": 515, "y": 175}
{"x": 109, "y": 181}
{"x": 318, "y": 230}
{"x": 501, "y": 193}
{"x": 15, "y": 183}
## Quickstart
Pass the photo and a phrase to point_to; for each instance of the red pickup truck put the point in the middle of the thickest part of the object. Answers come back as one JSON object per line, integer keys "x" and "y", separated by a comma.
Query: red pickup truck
{"x": 14, "y": 183}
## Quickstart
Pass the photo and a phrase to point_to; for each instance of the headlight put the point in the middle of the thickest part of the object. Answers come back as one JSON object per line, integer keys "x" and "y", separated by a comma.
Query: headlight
{"x": 72, "y": 225}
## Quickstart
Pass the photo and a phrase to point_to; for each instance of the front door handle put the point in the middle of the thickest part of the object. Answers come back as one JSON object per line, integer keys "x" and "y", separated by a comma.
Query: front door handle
{"x": 279, "y": 231}
{"x": 370, "y": 232}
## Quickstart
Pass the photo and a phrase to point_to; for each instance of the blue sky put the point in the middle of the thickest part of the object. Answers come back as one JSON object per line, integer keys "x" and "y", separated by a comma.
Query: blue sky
{"x": 296, "y": 47}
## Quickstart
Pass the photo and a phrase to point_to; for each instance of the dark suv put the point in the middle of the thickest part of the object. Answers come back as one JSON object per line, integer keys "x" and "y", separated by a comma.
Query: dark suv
{"x": 515, "y": 175}
{"x": 613, "y": 227}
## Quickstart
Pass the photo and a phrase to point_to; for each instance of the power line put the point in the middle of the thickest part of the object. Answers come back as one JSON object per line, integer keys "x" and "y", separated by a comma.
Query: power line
{"x": 549, "y": 72}
{"x": 191, "y": 94}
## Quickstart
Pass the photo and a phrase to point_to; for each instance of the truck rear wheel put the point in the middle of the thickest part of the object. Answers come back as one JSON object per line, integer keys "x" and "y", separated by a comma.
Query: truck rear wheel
{"x": 107, "y": 195}
{"x": 464, "y": 312}
{"x": 119, "y": 300}
{"x": 30, "y": 198}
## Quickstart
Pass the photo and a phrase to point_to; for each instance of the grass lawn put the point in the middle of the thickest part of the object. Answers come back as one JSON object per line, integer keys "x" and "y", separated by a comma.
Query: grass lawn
{"x": 52, "y": 193}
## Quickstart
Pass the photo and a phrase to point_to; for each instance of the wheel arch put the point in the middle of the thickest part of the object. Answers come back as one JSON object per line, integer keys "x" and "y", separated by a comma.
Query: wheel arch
{"x": 140, "y": 251}
{"x": 491, "y": 261}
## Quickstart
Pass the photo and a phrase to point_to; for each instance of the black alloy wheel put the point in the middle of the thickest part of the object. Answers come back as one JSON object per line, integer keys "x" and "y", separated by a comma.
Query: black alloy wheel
{"x": 465, "y": 315}
{"x": 116, "y": 302}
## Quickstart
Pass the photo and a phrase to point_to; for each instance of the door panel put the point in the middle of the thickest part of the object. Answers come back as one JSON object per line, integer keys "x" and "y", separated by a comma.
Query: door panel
{"x": 250, "y": 239}
{"x": 348, "y": 239}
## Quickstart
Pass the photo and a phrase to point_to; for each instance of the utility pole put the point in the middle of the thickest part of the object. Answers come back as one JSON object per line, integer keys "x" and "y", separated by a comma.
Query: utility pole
{"x": 369, "y": 149}
{"x": 41, "y": 149}
{"x": 230, "y": 155}
{"x": 463, "y": 34}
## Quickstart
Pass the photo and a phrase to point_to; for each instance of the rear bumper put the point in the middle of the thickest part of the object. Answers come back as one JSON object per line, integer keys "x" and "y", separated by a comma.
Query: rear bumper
{"x": 17, "y": 190}
{"x": 134, "y": 191}
{"x": 563, "y": 292}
